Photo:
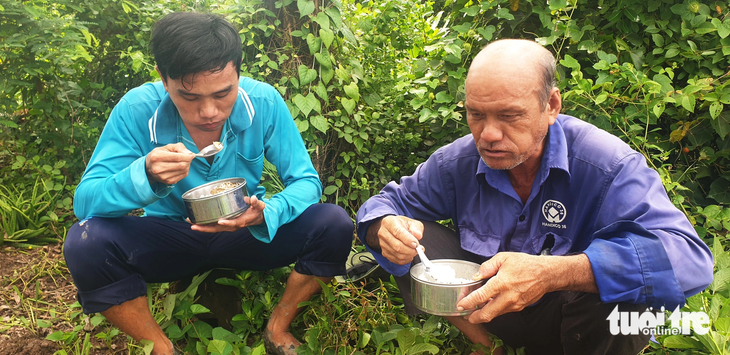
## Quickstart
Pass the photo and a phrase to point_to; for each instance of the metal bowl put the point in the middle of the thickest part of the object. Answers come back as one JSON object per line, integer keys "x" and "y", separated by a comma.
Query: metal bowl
{"x": 204, "y": 207}
{"x": 438, "y": 298}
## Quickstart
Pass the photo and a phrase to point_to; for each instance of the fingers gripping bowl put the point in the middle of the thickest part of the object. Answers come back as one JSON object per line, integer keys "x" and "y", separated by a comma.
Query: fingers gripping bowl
{"x": 216, "y": 200}
{"x": 440, "y": 298}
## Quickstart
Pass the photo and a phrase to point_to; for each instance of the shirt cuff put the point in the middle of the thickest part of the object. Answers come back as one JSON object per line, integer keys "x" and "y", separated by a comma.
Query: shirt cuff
{"x": 631, "y": 265}
{"x": 141, "y": 183}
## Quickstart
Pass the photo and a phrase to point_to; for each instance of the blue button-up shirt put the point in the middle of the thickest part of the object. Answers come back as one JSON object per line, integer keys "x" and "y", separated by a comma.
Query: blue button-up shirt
{"x": 592, "y": 194}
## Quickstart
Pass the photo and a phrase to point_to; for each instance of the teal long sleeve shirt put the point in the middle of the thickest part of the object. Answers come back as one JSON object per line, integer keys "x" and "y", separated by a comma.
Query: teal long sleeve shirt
{"x": 260, "y": 126}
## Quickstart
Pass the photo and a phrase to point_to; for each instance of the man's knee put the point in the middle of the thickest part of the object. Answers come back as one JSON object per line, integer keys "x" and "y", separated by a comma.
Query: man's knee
{"x": 337, "y": 226}
{"x": 87, "y": 242}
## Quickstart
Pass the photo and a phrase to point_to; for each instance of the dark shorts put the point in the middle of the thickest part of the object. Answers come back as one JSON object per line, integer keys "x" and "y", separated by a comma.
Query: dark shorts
{"x": 112, "y": 259}
{"x": 561, "y": 323}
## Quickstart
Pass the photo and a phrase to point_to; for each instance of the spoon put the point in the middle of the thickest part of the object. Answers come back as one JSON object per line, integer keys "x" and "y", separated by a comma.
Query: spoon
{"x": 210, "y": 150}
{"x": 437, "y": 273}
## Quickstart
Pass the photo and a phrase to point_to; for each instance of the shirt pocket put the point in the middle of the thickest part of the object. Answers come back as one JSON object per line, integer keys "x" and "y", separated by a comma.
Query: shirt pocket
{"x": 250, "y": 167}
{"x": 560, "y": 245}
{"x": 480, "y": 243}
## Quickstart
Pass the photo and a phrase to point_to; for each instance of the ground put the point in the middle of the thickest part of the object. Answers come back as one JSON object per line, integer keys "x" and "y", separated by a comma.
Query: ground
{"x": 37, "y": 298}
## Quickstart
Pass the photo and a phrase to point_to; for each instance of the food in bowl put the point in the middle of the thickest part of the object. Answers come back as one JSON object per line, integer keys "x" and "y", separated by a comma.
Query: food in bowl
{"x": 440, "y": 298}
{"x": 223, "y": 187}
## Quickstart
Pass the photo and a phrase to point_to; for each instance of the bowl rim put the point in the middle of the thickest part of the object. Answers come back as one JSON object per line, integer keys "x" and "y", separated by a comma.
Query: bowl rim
{"x": 437, "y": 261}
{"x": 240, "y": 180}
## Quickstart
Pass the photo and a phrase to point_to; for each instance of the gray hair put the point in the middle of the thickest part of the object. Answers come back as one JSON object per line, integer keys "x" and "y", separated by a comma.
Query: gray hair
{"x": 547, "y": 68}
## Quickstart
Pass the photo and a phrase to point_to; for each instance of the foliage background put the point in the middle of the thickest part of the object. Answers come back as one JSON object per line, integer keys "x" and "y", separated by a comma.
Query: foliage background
{"x": 375, "y": 87}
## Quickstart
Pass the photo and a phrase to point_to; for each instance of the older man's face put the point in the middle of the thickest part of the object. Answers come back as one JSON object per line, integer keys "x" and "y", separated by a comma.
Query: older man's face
{"x": 505, "y": 116}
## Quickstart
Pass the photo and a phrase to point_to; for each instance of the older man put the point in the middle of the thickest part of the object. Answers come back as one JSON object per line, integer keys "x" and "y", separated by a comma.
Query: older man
{"x": 529, "y": 182}
{"x": 145, "y": 159}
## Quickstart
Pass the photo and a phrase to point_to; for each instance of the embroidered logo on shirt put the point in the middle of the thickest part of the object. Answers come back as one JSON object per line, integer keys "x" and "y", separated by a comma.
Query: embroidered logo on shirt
{"x": 554, "y": 213}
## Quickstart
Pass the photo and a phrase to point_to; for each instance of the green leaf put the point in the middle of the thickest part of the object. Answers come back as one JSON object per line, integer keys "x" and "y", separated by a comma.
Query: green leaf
{"x": 329, "y": 190}
{"x": 42, "y": 323}
{"x": 349, "y": 105}
{"x": 324, "y": 59}
{"x": 671, "y": 53}
{"x": 720, "y": 191}
{"x": 225, "y": 335}
{"x": 557, "y": 4}
{"x": 319, "y": 122}
{"x": 423, "y": 348}
{"x": 305, "y": 7}
{"x": 327, "y": 37}
{"x": 715, "y": 109}
{"x": 681, "y": 342}
{"x": 570, "y": 62}
{"x": 306, "y": 75}
{"x": 198, "y": 309}
{"x": 307, "y": 104}
{"x": 723, "y": 28}
{"x": 314, "y": 43}
{"x": 322, "y": 20}
{"x": 406, "y": 338}
{"x": 219, "y": 347}
{"x": 722, "y": 124}
{"x": 55, "y": 336}
{"x": 352, "y": 91}
{"x": 444, "y": 97}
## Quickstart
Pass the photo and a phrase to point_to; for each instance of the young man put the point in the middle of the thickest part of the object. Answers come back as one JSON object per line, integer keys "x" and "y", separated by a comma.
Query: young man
{"x": 530, "y": 181}
{"x": 145, "y": 159}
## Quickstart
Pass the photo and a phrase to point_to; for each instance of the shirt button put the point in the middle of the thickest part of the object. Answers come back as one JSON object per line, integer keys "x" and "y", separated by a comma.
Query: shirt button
{"x": 522, "y": 218}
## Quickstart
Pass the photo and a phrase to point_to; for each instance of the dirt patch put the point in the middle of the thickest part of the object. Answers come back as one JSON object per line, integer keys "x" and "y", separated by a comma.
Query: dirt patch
{"x": 38, "y": 298}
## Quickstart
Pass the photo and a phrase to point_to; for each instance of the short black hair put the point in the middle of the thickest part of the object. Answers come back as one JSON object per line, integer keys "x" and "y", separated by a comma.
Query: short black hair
{"x": 187, "y": 43}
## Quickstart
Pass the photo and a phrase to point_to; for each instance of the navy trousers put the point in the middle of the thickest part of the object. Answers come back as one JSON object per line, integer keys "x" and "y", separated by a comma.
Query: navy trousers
{"x": 112, "y": 259}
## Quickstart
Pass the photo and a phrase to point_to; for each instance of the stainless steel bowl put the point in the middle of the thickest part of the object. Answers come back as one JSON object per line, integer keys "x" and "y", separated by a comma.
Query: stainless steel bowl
{"x": 438, "y": 298}
{"x": 204, "y": 207}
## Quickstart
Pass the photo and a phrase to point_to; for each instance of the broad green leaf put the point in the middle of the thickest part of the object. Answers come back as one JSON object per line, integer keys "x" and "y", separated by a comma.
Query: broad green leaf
{"x": 223, "y": 334}
{"x": 570, "y": 62}
{"x": 55, "y": 336}
{"x": 487, "y": 32}
{"x": 671, "y": 53}
{"x": 306, "y": 75}
{"x": 314, "y": 43}
{"x": 444, "y": 97}
{"x": 329, "y": 190}
{"x": 307, "y": 104}
{"x": 198, "y": 309}
{"x": 557, "y": 4}
{"x": 720, "y": 191}
{"x": 168, "y": 305}
{"x": 681, "y": 342}
{"x": 688, "y": 102}
{"x": 174, "y": 332}
{"x": 326, "y": 74}
{"x": 327, "y": 37}
{"x": 349, "y": 105}
{"x": 406, "y": 338}
{"x": 42, "y": 323}
{"x": 147, "y": 346}
{"x": 321, "y": 91}
{"x": 305, "y": 7}
{"x": 423, "y": 348}
{"x": 721, "y": 124}
{"x": 302, "y": 125}
{"x": 715, "y": 109}
{"x": 610, "y": 58}
{"x": 658, "y": 39}
{"x": 323, "y": 59}
{"x": 723, "y": 28}
{"x": 322, "y": 20}
{"x": 219, "y": 347}
{"x": 352, "y": 91}
{"x": 319, "y": 122}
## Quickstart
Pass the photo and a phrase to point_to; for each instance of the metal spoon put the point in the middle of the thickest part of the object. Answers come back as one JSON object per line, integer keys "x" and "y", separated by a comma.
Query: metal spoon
{"x": 210, "y": 150}
{"x": 437, "y": 273}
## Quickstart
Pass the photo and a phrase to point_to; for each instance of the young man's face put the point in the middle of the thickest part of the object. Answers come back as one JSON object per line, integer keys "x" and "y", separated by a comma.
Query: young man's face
{"x": 204, "y": 100}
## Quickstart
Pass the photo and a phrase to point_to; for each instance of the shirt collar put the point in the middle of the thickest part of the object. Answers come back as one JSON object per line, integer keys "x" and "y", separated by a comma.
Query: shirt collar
{"x": 165, "y": 124}
{"x": 555, "y": 156}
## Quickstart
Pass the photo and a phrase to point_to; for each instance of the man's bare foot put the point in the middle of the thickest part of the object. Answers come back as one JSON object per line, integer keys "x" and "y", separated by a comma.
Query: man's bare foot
{"x": 280, "y": 344}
